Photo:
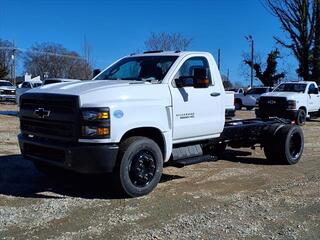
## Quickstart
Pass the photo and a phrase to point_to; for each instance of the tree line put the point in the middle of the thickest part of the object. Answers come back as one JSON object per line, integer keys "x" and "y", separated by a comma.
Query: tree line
{"x": 46, "y": 60}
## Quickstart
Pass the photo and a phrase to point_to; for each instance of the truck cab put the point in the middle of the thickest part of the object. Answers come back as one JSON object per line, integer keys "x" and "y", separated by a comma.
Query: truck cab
{"x": 137, "y": 114}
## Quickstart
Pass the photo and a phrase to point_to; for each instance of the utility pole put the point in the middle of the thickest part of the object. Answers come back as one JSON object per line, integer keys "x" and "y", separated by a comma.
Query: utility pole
{"x": 219, "y": 58}
{"x": 251, "y": 42}
{"x": 13, "y": 69}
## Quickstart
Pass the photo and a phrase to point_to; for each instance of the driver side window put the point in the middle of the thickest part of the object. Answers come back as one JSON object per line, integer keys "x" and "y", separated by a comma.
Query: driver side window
{"x": 313, "y": 89}
{"x": 187, "y": 70}
{"x": 26, "y": 85}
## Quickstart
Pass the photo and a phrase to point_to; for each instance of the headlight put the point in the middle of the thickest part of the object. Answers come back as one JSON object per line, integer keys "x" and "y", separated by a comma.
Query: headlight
{"x": 95, "y": 132}
{"x": 292, "y": 104}
{"x": 95, "y": 123}
{"x": 257, "y": 102}
{"x": 95, "y": 115}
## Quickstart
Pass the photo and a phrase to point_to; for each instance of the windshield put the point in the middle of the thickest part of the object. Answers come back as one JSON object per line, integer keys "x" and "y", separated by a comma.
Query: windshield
{"x": 36, "y": 84}
{"x": 291, "y": 87}
{"x": 6, "y": 84}
{"x": 257, "y": 91}
{"x": 145, "y": 68}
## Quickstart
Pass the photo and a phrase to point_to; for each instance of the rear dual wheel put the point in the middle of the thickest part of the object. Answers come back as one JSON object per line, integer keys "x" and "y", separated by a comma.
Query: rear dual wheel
{"x": 285, "y": 145}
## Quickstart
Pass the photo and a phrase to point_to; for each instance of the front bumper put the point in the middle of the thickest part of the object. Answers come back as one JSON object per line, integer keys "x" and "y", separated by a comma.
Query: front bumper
{"x": 8, "y": 97}
{"x": 287, "y": 114}
{"x": 77, "y": 157}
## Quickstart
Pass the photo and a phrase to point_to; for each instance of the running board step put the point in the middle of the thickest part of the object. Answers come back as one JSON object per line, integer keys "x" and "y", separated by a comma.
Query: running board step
{"x": 180, "y": 163}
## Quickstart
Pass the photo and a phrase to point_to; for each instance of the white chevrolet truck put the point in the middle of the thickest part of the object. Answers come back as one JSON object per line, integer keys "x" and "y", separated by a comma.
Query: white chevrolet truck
{"x": 139, "y": 113}
{"x": 296, "y": 101}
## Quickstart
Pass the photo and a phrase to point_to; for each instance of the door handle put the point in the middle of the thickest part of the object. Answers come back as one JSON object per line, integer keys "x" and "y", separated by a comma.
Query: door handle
{"x": 215, "y": 94}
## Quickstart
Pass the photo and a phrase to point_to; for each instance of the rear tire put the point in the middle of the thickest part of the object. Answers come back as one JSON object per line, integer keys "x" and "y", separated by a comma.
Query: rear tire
{"x": 286, "y": 146}
{"x": 139, "y": 166}
{"x": 238, "y": 104}
{"x": 301, "y": 117}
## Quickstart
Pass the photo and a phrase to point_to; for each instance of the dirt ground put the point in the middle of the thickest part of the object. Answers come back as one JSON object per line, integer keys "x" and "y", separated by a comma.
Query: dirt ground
{"x": 242, "y": 196}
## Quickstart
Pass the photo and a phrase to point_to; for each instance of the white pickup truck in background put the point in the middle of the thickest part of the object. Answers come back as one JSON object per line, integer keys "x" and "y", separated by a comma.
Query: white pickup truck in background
{"x": 249, "y": 99}
{"x": 296, "y": 101}
{"x": 141, "y": 112}
{"x": 7, "y": 91}
{"x": 26, "y": 86}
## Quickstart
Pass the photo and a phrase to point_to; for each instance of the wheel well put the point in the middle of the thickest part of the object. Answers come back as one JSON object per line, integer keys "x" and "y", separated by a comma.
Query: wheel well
{"x": 303, "y": 108}
{"x": 149, "y": 132}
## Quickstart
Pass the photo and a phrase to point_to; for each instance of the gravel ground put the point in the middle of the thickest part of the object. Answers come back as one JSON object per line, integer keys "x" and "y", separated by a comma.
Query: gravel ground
{"x": 240, "y": 197}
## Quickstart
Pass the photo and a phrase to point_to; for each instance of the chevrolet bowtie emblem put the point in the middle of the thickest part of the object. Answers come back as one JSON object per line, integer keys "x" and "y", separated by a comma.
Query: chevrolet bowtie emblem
{"x": 41, "y": 113}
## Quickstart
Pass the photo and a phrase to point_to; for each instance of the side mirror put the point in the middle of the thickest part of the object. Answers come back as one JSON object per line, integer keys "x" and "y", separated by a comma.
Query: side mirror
{"x": 95, "y": 72}
{"x": 313, "y": 91}
{"x": 200, "y": 78}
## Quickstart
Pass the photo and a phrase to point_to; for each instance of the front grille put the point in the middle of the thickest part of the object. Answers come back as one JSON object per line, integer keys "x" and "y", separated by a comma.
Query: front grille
{"x": 273, "y": 105}
{"x": 9, "y": 92}
{"x": 60, "y": 129}
{"x": 52, "y": 154}
{"x": 61, "y": 121}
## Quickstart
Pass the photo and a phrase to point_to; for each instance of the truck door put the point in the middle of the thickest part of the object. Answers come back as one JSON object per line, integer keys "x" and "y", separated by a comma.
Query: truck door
{"x": 197, "y": 112}
{"x": 313, "y": 98}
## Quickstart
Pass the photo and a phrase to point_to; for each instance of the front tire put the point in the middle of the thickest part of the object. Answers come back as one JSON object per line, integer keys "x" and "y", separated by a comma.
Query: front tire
{"x": 139, "y": 167}
{"x": 301, "y": 117}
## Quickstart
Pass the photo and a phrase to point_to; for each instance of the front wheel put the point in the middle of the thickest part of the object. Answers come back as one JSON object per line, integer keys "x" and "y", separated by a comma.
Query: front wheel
{"x": 139, "y": 167}
{"x": 301, "y": 117}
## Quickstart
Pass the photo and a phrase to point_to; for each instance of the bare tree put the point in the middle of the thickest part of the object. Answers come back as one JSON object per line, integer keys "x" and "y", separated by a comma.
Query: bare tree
{"x": 87, "y": 56}
{"x": 297, "y": 18}
{"x": 167, "y": 42}
{"x": 269, "y": 77}
{"x": 6, "y": 49}
{"x": 54, "y": 60}
{"x": 316, "y": 47}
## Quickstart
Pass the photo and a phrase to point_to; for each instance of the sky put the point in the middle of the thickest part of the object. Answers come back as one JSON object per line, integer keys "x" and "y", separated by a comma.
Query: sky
{"x": 120, "y": 27}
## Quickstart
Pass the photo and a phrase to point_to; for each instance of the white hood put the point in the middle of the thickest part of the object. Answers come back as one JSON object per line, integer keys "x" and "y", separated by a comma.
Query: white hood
{"x": 81, "y": 88}
{"x": 288, "y": 95}
{"x": 95, "y": 93}
{"x": 7, "y": 88}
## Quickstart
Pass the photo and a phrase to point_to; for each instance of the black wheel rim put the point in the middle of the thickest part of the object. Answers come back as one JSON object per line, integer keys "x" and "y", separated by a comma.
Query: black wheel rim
{"x": 142, "y": 168}
{"x": 295, "y": 145}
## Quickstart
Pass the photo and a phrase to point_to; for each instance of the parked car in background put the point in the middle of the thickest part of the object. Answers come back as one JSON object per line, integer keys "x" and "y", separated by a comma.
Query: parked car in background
{"x": 229, "y": 104}
{"x": 26, "y": 86}
{"x": 249, "y": 99}
{"x": 296, "y": 101}
{"x": 58, "y": 80}
{"x": 236, "y": 90}
{"x": 7, "y": 91}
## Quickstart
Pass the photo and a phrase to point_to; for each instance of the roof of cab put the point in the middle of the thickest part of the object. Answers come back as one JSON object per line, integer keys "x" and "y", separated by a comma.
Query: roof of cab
{"x": 165, "y": 53}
